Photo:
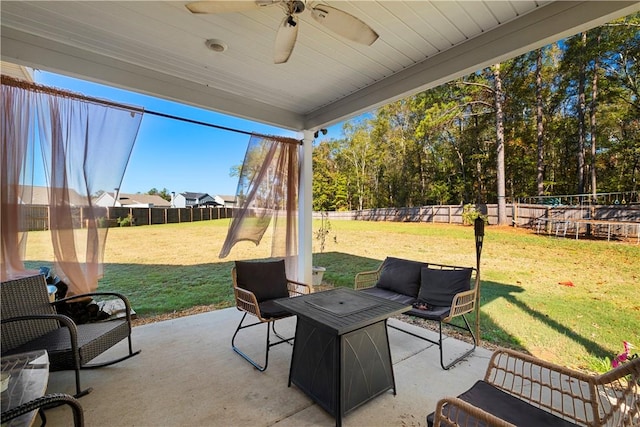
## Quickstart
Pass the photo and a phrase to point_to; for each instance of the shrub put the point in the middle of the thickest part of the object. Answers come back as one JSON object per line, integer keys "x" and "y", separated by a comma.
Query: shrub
{"x": 470, "y": 213}
{"x": 125, "y": 222}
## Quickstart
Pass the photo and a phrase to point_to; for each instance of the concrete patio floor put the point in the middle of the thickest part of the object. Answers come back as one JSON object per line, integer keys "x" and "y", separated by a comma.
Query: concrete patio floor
{"x": 188, "y": 375}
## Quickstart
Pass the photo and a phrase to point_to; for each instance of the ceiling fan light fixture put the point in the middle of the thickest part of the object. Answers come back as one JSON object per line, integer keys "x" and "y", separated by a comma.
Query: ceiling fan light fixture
{"x": 334, "y": 19}
{"x": 216, "y": 45}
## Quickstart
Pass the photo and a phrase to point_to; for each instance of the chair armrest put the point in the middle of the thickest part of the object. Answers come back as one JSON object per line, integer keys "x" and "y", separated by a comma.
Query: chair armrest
{"x": 246, "y": 301}
{"x": 64, "y": 320}
{"x": 46, "y": 401}
{"x": 462, "y": 414}
{"x": 297, "y": 288}
{"x": 92, "y": 294}
{"x": 366, "y": 279}
{"x": 556, "y": 389}
{"x": 463, "y": 303}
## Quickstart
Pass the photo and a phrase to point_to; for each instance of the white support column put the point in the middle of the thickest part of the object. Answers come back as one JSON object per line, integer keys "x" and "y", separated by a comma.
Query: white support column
{"x": 305, "y": 210}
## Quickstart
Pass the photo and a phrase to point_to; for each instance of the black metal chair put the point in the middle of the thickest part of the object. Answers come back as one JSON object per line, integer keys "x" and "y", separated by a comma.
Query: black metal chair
{"x": 256, "y": 285}
{"x": 30, "y": 322}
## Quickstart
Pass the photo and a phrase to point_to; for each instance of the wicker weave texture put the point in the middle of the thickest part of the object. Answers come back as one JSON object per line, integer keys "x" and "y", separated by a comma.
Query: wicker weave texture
{"x": 24, "y": 297}
{"x": 28, "y": 297}
{"x": 464, "y": 415}
{"x": 594, "y": 400}
{"x": 611, "y": 399}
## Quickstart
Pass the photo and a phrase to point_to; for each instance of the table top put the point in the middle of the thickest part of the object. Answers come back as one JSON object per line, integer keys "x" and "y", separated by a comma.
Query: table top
{"x": 29, "y": 374}
{"x": 342, "y": 310}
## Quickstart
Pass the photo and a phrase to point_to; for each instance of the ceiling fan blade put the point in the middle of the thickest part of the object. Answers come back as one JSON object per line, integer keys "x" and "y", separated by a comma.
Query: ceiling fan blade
{"x": 285, "y": 39}
{"x": 344, "y": 24}
{"x": 214, "y": 6}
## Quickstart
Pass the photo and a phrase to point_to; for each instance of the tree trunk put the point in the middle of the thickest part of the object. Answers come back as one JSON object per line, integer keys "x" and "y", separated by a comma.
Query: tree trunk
{"x": 594, "y": 107}
{"x": 500, "y": 169}
{"x": 581, "y": 111}
{"x": 539, "y": 124}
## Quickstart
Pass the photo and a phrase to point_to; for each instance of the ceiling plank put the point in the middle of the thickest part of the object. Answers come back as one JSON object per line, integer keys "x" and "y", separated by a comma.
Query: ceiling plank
{"x": 543, "y": 26}
{"x": 29, "y": 50}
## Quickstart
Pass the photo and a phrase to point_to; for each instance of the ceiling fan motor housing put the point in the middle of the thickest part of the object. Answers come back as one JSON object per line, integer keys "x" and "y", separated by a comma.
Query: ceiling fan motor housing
{"x": 297, "y": 7}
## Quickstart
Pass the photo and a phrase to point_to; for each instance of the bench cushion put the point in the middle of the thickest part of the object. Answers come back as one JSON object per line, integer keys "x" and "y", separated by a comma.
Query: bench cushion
{"x": 432, "y": 313}
{"x": 505, "y": 406}
{"x": 390, "y": 295}
{"x": 438, "y": 287}
{"x": 401, "y": 276}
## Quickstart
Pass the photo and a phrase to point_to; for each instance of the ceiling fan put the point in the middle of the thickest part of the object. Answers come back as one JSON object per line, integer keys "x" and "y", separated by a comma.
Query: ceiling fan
{"x": 336, "y": 20}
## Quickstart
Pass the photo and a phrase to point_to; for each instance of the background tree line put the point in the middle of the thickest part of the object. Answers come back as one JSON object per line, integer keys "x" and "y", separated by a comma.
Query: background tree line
{"x": 563, "y": 119}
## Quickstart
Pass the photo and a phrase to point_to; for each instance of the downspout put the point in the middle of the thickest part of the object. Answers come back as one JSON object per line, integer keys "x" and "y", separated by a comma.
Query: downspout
{"x": 305, "y": 209}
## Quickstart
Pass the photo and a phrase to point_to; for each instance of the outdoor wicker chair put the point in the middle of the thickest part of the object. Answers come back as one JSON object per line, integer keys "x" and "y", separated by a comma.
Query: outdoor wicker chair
{"x": 256, "y": 285}
{"x": 30, "y": 322}
{"x": 519, "y": 389}
{"x": 44, "y": 402}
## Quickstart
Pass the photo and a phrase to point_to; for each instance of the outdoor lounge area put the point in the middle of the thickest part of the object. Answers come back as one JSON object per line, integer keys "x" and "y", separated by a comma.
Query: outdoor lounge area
{"x": 188, "y": 374}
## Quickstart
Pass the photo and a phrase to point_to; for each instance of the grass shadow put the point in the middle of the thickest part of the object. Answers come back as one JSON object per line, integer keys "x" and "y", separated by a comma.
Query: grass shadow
{"x": 155, "y": 289}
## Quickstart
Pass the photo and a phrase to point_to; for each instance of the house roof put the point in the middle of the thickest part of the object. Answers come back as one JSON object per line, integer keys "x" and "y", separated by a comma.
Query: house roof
{"x": 194, "y": 196}
{"x": 227, "y": 198}
{"x": 40, "y": 196}
{"x": 143, "y": 199}
{"x": 159, "y": 48}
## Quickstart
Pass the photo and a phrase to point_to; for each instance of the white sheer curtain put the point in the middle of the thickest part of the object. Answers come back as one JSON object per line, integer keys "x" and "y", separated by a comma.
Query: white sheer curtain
{"x": 85, "y": 146}
{"x": 15, "y": 177}
{"x": 267, "y": 195}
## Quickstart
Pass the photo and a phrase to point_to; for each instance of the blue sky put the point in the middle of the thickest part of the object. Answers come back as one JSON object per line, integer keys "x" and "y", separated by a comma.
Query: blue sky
{"x": 173, "y": 154}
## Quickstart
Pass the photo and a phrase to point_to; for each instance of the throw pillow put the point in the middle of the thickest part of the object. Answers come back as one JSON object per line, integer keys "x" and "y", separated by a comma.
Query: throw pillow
{"x": 438, "y": 287}
{"x": 267, "y": 280}
{"x": 401, "y": 276}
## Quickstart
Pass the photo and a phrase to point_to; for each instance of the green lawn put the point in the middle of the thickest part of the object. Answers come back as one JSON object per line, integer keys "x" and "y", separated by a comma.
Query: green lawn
{"x": 167, "y": 268}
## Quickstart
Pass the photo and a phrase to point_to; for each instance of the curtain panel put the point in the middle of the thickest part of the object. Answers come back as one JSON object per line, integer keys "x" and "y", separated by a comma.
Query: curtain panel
{"x": 15, "y": 177}
{"x": 83, "y": 148}
{"x": 267, "y": 196}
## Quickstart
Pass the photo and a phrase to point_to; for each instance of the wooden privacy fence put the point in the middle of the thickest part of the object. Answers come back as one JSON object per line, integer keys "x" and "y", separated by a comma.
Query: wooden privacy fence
{"x": 37, "y": 217}
{"x": 610, "y": 221}
{"x": 571, "y": 221}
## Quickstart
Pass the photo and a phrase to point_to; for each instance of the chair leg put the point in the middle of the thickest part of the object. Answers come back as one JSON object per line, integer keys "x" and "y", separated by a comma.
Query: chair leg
{"x": 268, "y": 344}
{"x": 463, "y": 355}
{"x": 111, "y": 362}
{"x": 259, "y": 367}
{"x": 76, "y": 360}
{"x": 79, "y": 391}
{"x": 287, "y": 340}
{"x": 439, "y": 343}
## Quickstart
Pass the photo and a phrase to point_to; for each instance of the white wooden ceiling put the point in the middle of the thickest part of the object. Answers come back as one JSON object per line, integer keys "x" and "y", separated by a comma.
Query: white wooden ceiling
{"x": 158, "y": 48}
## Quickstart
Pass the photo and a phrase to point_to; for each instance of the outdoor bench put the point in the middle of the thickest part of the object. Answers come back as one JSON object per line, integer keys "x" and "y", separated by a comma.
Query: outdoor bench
{"x": 436, "y": 292}
{"x": 522, "y": 390}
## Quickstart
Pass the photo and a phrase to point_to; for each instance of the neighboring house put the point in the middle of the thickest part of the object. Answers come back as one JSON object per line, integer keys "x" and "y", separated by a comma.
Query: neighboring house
{"x": 194, "y": 200}
{"x": 132, "y": 201}
{"x": 228, "y": 201}
{"x": 38, "y": 195}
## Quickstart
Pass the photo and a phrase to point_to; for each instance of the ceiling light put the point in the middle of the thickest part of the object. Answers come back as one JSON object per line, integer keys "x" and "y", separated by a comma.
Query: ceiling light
{"x": 216, "y": 45}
